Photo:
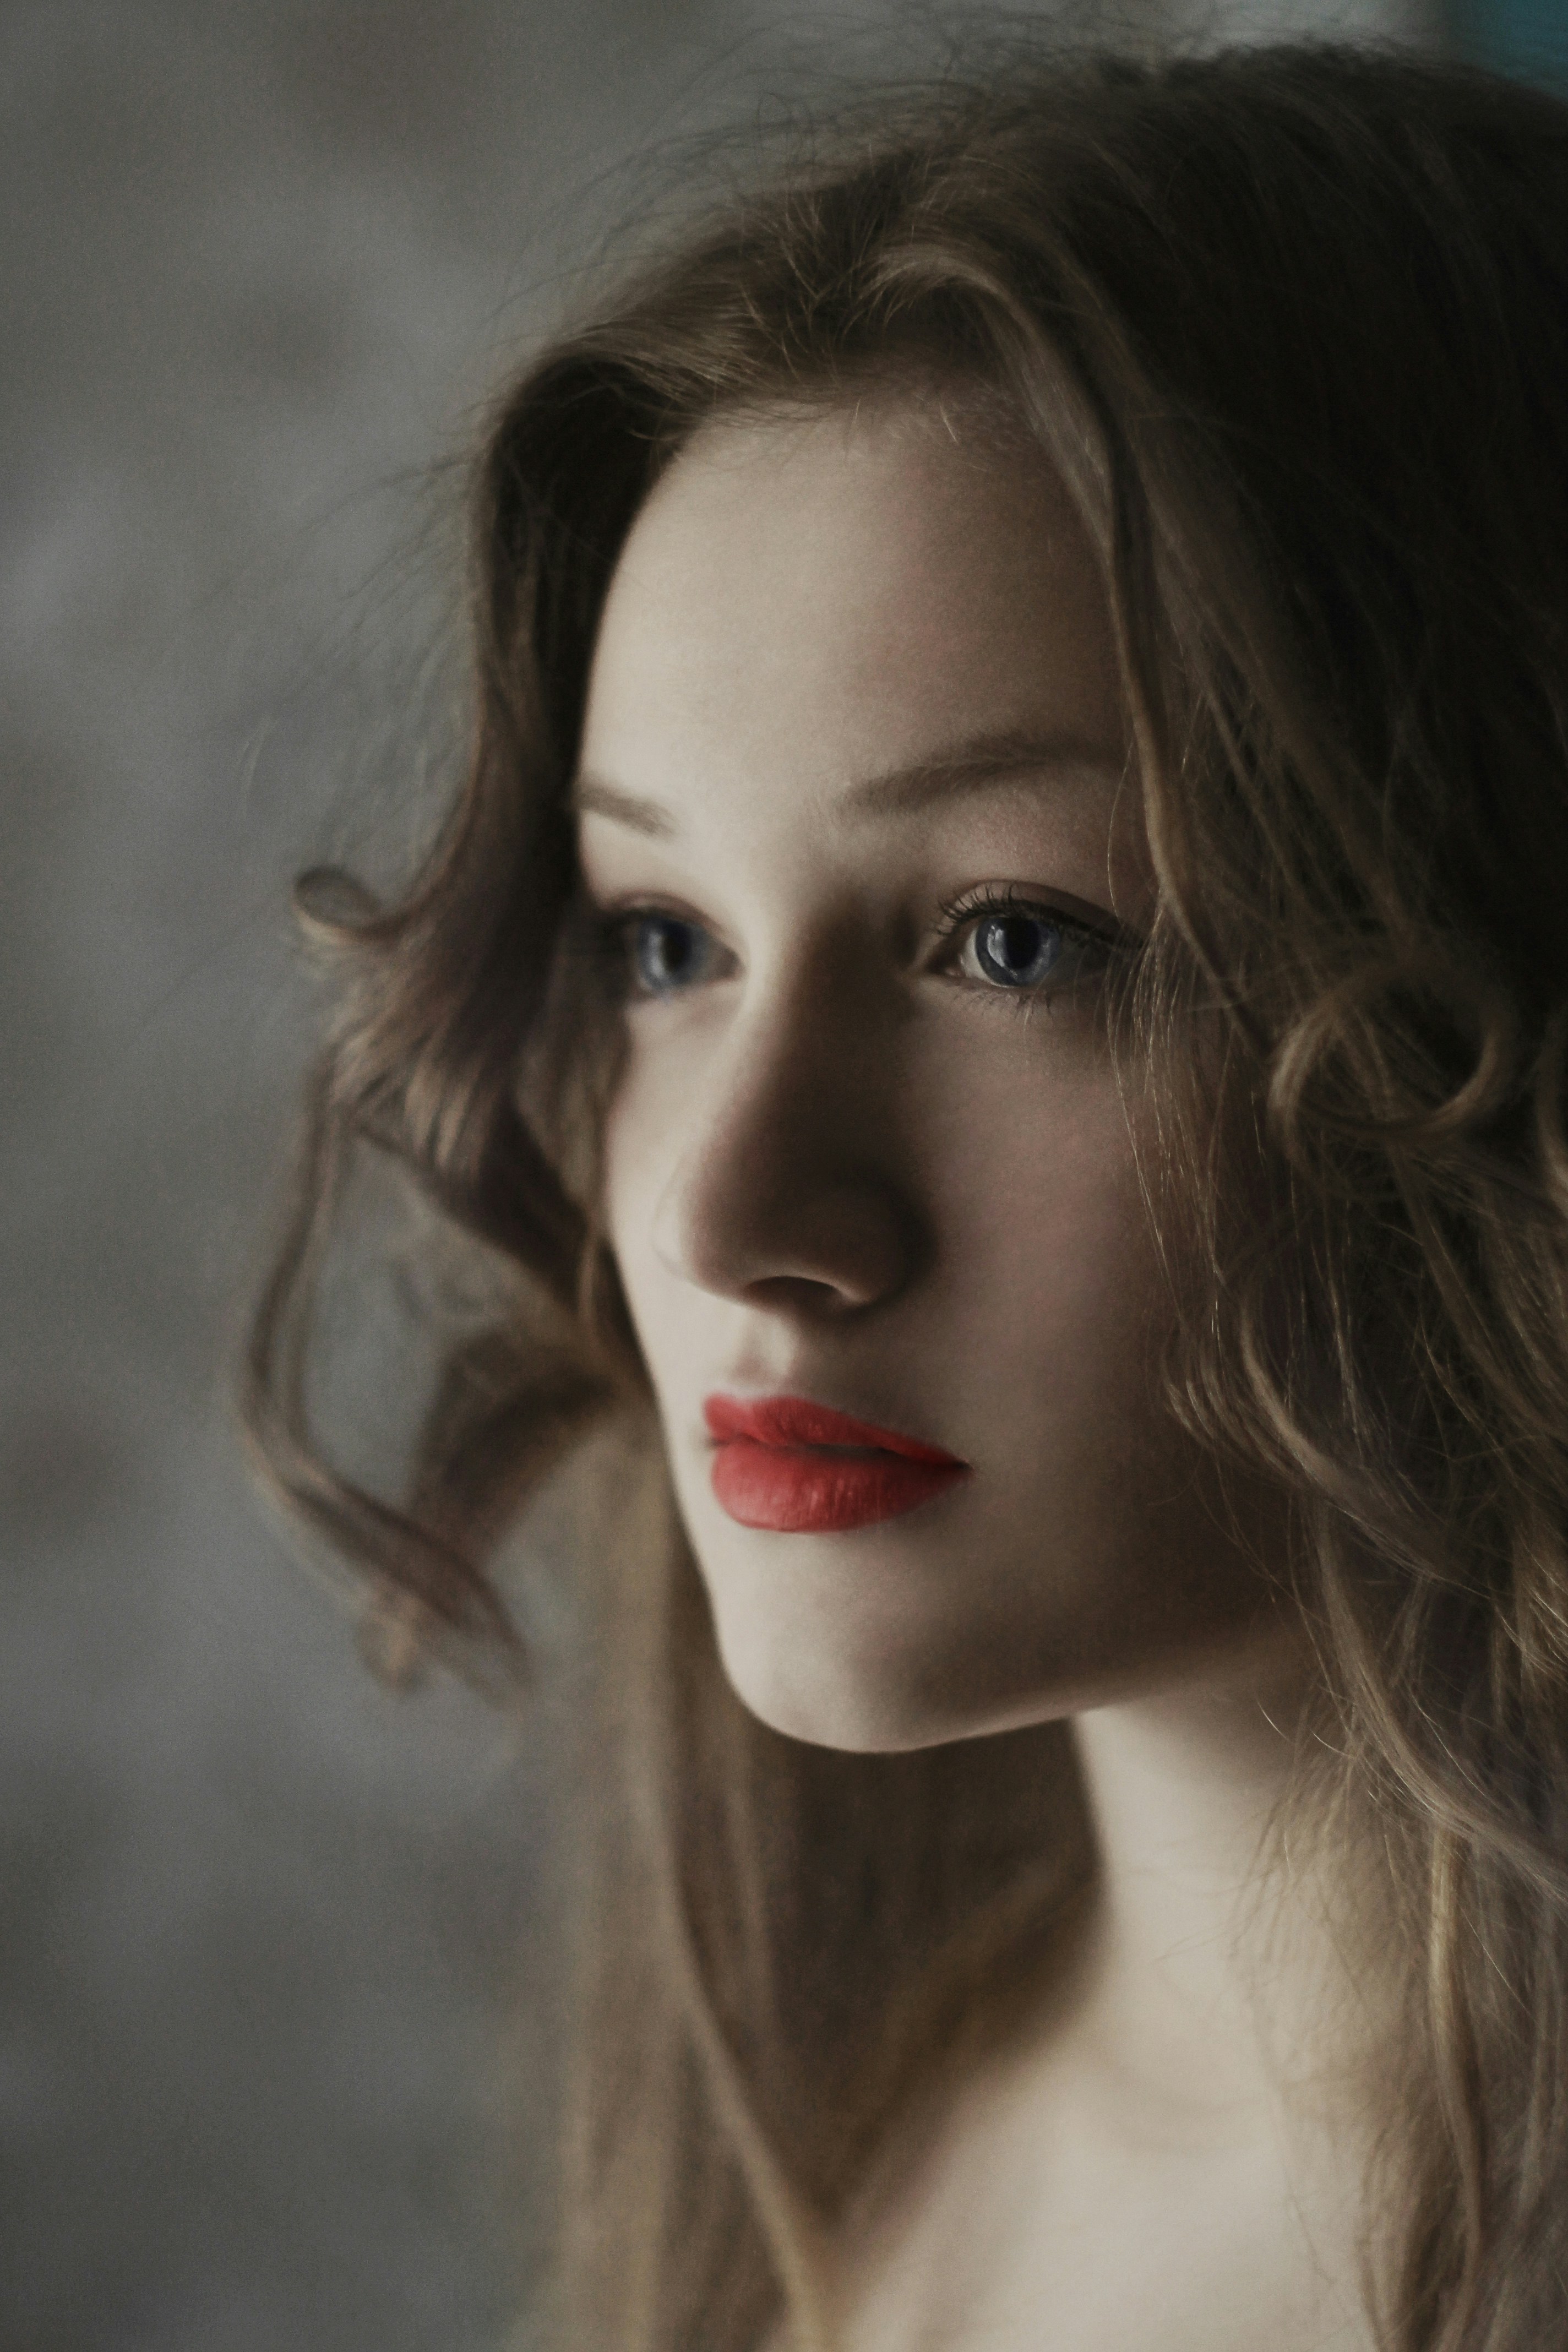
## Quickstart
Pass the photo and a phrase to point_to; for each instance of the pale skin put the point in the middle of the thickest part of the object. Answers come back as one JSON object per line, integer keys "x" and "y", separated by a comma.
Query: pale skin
{"x": 856, "y": 668}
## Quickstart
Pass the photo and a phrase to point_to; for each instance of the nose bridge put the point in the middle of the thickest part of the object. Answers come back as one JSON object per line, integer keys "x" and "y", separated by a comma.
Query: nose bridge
{"x": 787, "y": 1172}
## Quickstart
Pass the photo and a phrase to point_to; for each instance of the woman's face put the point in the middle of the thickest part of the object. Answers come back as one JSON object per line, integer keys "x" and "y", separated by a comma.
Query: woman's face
{"x": 855, "y": 802}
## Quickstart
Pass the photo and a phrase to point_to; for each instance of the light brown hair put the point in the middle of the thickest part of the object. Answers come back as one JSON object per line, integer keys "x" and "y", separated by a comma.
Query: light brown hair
{"x": 1293, "y": 322}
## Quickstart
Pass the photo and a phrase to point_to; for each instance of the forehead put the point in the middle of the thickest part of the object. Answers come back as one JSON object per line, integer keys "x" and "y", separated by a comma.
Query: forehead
{"x": 808, "y": 600}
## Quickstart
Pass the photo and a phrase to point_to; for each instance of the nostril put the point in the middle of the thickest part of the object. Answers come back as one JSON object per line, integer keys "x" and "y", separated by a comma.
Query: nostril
{"x": 801, "y": 1293}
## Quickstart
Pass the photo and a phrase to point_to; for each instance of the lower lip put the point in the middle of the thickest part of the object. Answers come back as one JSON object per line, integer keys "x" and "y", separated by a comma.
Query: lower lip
{"x": 819, "y": 1490}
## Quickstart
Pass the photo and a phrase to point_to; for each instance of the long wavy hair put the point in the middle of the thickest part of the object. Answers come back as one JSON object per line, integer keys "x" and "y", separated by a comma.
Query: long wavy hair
{"x": 1293, "y": 323}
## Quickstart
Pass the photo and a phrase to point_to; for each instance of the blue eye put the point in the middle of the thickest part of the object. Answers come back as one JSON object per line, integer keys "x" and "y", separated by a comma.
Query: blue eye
{"x": 1016, "y": 950}
{"x": 665, "y": 953}
{"x": 999, "y": 942}
{"x": 1007, "y": 944}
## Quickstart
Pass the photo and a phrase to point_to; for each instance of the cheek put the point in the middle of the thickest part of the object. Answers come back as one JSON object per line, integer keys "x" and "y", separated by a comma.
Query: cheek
{"x": 627, "y": 1160}
{"x": 1051, "y": 1267}
{"x": 642, "y": 1140}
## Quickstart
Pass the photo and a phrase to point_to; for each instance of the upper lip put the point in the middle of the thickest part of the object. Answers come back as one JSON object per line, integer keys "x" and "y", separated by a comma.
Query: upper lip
{"x": 799, "y": 1420}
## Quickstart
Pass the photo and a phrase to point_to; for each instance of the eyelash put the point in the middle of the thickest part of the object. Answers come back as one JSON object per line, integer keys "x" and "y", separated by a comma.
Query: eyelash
{"x": 972, "y": 908}
{"x": 955, "y": 916}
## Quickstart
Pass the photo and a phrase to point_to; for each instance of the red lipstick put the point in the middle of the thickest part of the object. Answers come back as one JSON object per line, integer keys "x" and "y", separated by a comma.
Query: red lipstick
{"x": 796, "y": 1467}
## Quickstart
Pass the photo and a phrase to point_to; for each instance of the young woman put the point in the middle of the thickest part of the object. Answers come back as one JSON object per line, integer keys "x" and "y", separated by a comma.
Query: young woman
{"x": 993, "y": 1006}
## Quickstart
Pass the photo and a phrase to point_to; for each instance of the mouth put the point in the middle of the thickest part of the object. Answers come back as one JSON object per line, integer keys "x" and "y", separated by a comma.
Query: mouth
{"x": 795, "y": 1467}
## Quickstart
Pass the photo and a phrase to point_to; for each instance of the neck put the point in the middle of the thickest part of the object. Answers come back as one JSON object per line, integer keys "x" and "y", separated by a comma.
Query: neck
{"x": 1171, "y": 2136}
{"x": 1217, "y": 1973}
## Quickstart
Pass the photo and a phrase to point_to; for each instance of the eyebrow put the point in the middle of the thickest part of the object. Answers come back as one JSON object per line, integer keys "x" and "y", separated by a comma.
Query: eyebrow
{"x": 982, "y": 764}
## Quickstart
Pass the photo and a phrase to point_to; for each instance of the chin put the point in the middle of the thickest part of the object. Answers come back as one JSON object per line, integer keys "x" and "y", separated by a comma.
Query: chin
{"x": 829, "y": 1694}
{"x": 833, "y": 1713}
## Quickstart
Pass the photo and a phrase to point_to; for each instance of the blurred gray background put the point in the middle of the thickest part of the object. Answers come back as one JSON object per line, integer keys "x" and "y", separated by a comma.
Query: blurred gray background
{"x": 274, "y": 1984}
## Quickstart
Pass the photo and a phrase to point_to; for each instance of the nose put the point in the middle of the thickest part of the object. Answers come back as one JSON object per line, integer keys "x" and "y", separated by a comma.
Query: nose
{"x": 786, "y": 1192}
